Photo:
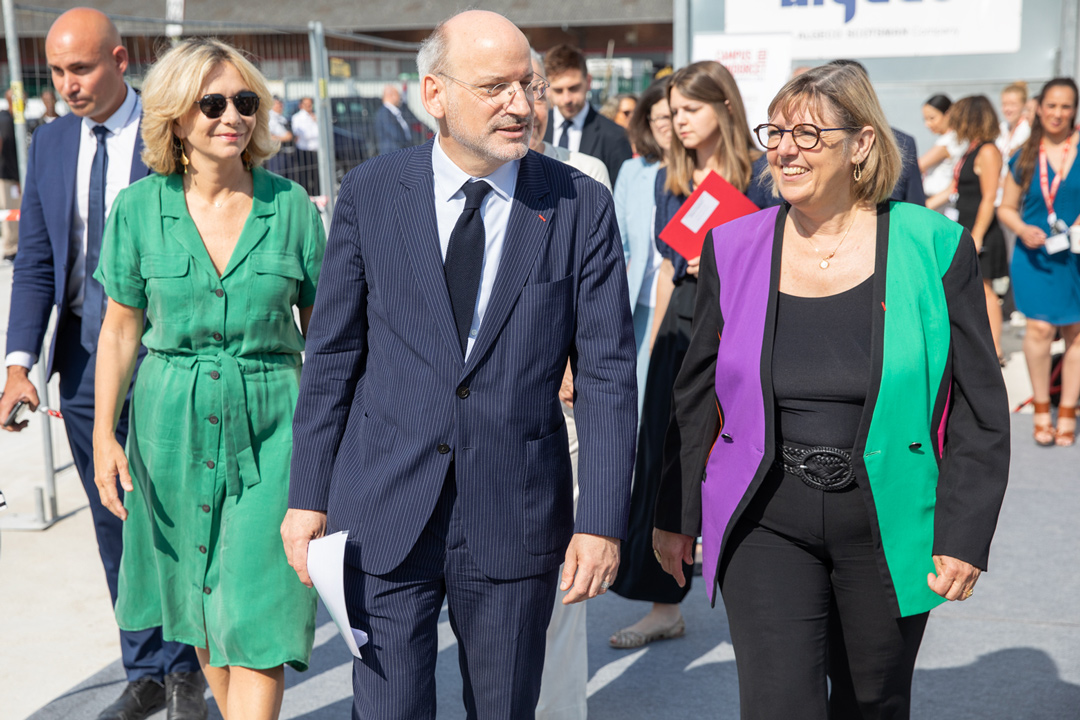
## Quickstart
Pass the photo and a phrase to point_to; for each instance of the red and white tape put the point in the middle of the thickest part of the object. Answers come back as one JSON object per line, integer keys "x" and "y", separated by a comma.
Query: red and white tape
{"x": 9, "y": 216}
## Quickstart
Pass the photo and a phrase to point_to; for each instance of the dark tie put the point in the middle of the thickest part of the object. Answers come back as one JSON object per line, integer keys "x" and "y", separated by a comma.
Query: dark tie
{"x": 564, "y": 140}
{"x": 465, "y": 259}
{"x": 93, "y": 309}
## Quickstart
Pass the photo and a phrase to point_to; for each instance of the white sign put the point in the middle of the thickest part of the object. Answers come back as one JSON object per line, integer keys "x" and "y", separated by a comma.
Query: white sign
{"x": 830, "y": 29}
{"x": 760, "y": 64}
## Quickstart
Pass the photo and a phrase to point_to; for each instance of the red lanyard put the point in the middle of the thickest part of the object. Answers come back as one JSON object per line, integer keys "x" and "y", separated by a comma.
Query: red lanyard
{"x": 960, "y": 167}
{"x": 1049, "y": 191}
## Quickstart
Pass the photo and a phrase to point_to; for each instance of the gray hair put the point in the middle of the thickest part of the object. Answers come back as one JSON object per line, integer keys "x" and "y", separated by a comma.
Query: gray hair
{"x": 431, "y": 59}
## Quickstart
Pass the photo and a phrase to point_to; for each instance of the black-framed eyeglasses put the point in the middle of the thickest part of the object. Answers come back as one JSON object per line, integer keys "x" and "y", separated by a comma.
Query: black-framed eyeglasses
{"x": 806, "y": 135}
{"x": 503, "y": 93}
{"x": 213, "y": 105}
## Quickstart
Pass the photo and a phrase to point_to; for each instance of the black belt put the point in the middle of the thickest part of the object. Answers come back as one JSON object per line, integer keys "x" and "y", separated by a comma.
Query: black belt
{"x": 822, "y": 468}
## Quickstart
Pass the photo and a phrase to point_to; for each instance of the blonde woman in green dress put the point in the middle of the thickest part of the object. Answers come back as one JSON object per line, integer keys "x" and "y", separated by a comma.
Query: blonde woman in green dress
{"x": 203, "y": 263}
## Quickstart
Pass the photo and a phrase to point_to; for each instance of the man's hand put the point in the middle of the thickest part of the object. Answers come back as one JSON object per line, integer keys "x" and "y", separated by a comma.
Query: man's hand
{"x": 672, "y": 550}
{"x": 18, "y": 387}
{"x": 298, "y": 529}
{"x": 955, "y": 579}
{"x": 590, "y": 561}
{"x": 566, "y": 390}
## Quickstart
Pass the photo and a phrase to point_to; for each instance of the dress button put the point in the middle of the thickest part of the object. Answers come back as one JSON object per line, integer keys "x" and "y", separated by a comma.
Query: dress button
{"x": 214, "y": 374}
{"x": 206, "y": 508}
{"x": 213, "y": 419}
{"x": 219, "y": 292}
{"x": 914, "y": 446}
{"x": 216, "y": 336}
{"x": 443, "y": 448}
{"x": 206, "y": 590}
{"x": 202, "y": 549}
{"x": 463, "y": 392}
{"x": 210, "y": 464}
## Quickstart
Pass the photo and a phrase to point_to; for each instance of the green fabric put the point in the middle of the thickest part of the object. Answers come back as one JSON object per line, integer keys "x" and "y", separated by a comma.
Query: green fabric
{"x": 211, "y": 421}
{"x": 916, "y": 348}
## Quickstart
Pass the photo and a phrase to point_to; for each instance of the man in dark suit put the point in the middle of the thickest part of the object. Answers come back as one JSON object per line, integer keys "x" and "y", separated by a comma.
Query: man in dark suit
{"x": 460, "y": 276}
{"x": 76, "y": 166}
{"x": 392, "y": 123}
{"x": 574, "y": 124}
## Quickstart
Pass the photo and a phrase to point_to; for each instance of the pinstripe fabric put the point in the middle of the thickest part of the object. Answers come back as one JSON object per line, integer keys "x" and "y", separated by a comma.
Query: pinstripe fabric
{"x": 500, "y": 627}
{"x": 383, "y": 382}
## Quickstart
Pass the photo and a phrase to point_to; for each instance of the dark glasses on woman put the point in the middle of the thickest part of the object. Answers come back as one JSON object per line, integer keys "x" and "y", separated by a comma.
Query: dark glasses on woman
{"x": 213, "y": 105}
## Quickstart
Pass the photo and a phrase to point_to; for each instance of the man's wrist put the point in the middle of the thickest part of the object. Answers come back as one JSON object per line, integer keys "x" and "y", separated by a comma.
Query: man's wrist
{"x": 18, "y": 371}
{"x": 18, "y": 358}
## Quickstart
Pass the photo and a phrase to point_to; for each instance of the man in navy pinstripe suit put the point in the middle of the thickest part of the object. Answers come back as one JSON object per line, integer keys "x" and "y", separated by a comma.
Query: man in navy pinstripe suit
{"x": 429, "y": 426}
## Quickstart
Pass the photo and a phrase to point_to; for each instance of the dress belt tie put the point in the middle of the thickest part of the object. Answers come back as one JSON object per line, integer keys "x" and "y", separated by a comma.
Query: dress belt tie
{"x": 240, "y": 464}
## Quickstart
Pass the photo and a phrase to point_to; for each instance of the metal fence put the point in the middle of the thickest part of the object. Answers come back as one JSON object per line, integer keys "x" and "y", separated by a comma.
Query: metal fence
{"x": 344, "y": 74}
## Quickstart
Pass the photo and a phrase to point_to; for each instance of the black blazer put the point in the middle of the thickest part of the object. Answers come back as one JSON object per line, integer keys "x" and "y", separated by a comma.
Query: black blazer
{"x": 600, "y": 138}
{"x": 909, "y": 187}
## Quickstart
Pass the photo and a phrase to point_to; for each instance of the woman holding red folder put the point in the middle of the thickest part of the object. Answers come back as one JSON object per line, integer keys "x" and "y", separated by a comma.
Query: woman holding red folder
{"x": 710, "y": 134}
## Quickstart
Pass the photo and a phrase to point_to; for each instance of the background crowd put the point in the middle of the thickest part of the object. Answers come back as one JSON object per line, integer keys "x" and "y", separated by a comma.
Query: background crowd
{"x": 173, "y": 231}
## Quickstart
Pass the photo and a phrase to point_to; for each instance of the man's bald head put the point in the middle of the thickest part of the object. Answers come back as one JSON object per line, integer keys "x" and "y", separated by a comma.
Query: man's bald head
{"x": 452, "y": 43}
{"x": 391, "y": 95}
{"x": 87, "y": 60}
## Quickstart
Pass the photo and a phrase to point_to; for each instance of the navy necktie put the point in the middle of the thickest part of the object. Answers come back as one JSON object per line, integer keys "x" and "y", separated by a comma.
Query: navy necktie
{"x": 465, "y": 259}
{"x": 564, "y": 140}
{"x": 93, "y": 309}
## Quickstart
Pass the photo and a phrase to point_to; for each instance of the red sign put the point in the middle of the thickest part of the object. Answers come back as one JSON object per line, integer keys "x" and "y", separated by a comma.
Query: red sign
{"x": 713, "y": 203}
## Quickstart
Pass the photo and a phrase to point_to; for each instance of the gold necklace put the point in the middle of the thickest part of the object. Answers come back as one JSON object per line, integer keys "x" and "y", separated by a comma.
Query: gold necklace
{"x": 824, "y": 264}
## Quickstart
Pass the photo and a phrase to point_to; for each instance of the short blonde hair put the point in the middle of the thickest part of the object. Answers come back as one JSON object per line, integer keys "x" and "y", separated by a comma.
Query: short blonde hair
{"x": 174, "y": 84}
{"x": 843, "y": 94}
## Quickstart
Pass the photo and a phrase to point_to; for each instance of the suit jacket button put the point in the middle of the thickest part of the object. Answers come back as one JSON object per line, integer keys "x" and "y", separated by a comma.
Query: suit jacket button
{"x": 914, "y": 446}
{"x": 443, "y": 448}
{"x": 726, "y": 437}
{"x": 463, "y": 392}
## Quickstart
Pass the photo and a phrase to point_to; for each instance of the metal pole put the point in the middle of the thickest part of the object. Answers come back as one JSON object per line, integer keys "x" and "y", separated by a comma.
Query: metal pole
{"x": 46, "y": 439}
{"x": 18, "y": 96}
{"x": 680, "y": 52}
{"x": 1069, "y": 55}
{"x": 320, "y": 73}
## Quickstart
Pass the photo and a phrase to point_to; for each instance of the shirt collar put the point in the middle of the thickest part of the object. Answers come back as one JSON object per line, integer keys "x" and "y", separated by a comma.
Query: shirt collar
{"x": 392, "y": 108}
{"x": 449, "y": 177}
{"x": 130, "y": 108}
{"x": 578, "y": 120}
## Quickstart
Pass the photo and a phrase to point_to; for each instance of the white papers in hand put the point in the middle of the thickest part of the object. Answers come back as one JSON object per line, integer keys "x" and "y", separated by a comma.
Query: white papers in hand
{"x": 326, "y": 567}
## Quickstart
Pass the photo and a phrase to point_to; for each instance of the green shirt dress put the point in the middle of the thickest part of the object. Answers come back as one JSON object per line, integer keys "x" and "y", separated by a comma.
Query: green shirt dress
{"x": 211, "y": 420}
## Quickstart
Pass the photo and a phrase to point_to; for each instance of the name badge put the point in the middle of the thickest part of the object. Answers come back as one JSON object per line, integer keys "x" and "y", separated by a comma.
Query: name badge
{"x": 1057, "y": 243}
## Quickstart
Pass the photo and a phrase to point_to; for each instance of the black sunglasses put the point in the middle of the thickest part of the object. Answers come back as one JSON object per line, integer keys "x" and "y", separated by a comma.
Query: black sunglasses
{"x": 213, "y": 106}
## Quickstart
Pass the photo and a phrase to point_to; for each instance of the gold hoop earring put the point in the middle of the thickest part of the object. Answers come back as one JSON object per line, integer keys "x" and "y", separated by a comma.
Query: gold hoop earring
{"x": 857, "y": 172}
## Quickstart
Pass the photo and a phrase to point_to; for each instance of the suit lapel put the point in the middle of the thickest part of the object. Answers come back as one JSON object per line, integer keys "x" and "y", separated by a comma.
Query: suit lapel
{"x": 420, "y": 231}
{"x": 138, "y": 169}
{"x": 528, "y": 228}
{"x": 588, "y": 134}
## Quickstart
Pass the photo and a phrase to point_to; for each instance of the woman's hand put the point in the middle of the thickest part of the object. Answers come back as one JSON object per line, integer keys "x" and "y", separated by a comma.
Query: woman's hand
{"x": 672, "y": 550}
{"x": 692, "y": 267}
{"x": 110, "y": 463}
{"x": 955, "y": 579}
{"x": 1032, "y": 237}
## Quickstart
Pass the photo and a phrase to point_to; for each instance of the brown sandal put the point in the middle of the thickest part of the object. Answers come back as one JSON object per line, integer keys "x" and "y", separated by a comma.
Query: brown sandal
{"x": 1065, "y": 438}
{"x": 1045, "y": 435}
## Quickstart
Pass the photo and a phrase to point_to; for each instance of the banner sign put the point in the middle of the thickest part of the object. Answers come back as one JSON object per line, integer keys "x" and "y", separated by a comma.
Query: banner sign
{"x": 826, "y": 29}
{"x": 760, "y": 64}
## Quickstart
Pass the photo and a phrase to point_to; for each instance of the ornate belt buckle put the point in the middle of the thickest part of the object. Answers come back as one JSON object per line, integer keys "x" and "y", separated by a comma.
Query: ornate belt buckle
{"x": 826, "y": 468}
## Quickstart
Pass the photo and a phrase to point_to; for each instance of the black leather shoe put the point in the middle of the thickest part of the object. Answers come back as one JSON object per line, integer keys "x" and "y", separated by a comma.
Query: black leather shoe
{"x": 185, "y": 696}
{"x": 140, "y": 700}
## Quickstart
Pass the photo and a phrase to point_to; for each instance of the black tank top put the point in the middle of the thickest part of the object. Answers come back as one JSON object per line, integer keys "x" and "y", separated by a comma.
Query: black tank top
{"x": 969, "y": 193}
{"x": 821, "y": 366}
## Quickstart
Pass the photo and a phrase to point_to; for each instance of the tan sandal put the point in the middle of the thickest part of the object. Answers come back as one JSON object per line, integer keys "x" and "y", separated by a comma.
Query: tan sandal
{"x": 1065, "y": 438}
{"x": 630, "y": 639}
{"x": 1045, "y": 435}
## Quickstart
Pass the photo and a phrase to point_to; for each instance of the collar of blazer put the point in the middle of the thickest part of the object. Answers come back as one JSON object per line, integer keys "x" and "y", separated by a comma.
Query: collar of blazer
{"x": 528, "y": 226}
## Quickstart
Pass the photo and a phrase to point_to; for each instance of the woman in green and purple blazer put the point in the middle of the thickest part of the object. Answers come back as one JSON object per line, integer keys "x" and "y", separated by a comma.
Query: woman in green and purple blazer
{"x": 840, "y": 436}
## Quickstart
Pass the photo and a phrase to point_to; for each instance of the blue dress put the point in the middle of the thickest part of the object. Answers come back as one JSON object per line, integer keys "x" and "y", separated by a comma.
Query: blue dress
{"x": 1047, "y": 287}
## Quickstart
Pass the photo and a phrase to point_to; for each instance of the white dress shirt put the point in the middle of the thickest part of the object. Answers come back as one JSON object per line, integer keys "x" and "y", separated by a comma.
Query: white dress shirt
{"x": 495, "y": 212}
{"x": 305, "y": 131}
{"x": 396, "y": 112}
{"x": 577, "y": 123}
{"x": 123, "y": 126}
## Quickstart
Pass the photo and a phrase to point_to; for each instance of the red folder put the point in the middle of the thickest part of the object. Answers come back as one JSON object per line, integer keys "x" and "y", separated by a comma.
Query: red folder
{"x": 714, "y": 202}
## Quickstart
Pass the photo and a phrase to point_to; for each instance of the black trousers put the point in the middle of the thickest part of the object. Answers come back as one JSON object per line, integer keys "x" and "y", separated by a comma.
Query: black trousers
{"x": 800, "y": 576}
